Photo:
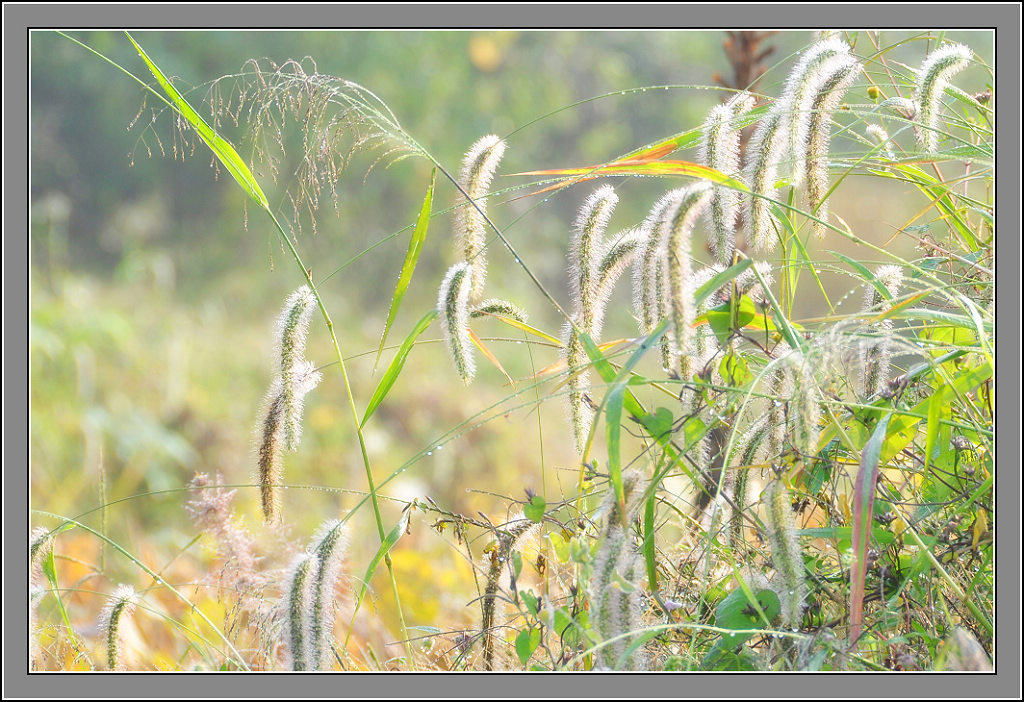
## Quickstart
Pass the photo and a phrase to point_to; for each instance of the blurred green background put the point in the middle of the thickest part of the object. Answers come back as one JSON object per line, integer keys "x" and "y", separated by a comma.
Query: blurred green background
{"x": 153, "y": 292}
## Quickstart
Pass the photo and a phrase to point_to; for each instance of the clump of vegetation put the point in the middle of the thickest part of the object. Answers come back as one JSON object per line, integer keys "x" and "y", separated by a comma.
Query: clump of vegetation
{"x": 753, "y": 488}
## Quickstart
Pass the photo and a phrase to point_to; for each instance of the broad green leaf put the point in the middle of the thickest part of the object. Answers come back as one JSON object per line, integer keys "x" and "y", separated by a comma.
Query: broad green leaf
{"x": 396, "y": 365}
{"x": 412, "y": 255}
{"x": 721, "y": 318}
{"x": 936, "y": 405}
{"x": 738, "y": 612}
{"x": 526, "y": 643}
{"x": 534, "y": 509}
{"x": 223, "y": 150}
{"x": 650, "y": 559}
{"x": 613, "y": 425}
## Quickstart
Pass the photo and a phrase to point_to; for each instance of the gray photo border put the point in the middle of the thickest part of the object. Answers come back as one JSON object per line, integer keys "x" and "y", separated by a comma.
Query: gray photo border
{"x": 1005, "y": 18}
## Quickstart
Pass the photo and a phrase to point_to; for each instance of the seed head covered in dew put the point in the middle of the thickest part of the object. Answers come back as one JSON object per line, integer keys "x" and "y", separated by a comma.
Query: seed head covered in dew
{"x": 270, "y": 442}
{"x": 649, "y": 274}
{"x": 594, "y": 267}
{"x": 680, "y": 217}
{"x": 705, "y": 341}
{"x": 877, "y": 134}
{"x": 748, "y": 284}
{"x": 803, "y": 85}
{"x": 40, "y": 543}
{"x": 876, "y": 355}
{"x": 329, "y": 542}
{"x": 453, "y": 307}
{"x": 765, "y": 152}
{"x": 932, "y": 78}
{"x": 478, "y": 168}
{"x": 292, "y": 331}
{"x": 298, "y": 610}
{"x": 720, "y": 149}
{"x": 837, "y": 75}
{"x": 502, "y": 308}
{"x": 805, "y": 407}
{"x": 614, "y": 587}
{"x": 120, "y": 606}
{"x": 789, "y": 584}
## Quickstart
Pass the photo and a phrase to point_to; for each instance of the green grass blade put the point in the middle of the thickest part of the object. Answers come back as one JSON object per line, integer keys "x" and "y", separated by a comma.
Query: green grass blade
{"x": 863, "y": 503}
{"x": 396, "y": 365}
{"x": 224, "y": 152}
{"x": 648, "y": 546}
{"x": 613, "y": 426}
{"x": 419, "y": 235}
{"x": 389, "y": 541}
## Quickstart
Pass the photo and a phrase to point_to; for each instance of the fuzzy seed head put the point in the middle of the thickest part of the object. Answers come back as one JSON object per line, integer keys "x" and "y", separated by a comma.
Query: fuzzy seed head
{"x": 511, "y": 536}
{"x": 478, "y": 169}
{"x": 766, "y": 150}
{"x": 805, "y": 412}
{"x": 876, "y": 354}
{"x": 877, "y": 133}
{"x": 802, "y": 86}
{"x": 585, "y": 252}
{"x": 932, "y": 78}
{"x": 40, "y": 543}
{"x": 330, "y": 541}
{"x": 502, "y": 308}
{"x": 292, "y": 330}
{"x": 836, "y": 77}
{"x": 271, "y": 446}
{"x": 617, "y": 256}
{"x": 648, "y": 275}
{"x": 680, "y": 219}
{"x": 299, "y": 613}
{"x": 453, "y": 305}
{"x": 119, "y": 607}
{"x": 720, "y": 150}
{"x": 790, "y": 584}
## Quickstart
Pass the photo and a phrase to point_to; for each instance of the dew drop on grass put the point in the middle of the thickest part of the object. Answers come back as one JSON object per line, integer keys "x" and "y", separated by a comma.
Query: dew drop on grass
{"x": 430, "y": 453}
{"x": 439, "y": 447}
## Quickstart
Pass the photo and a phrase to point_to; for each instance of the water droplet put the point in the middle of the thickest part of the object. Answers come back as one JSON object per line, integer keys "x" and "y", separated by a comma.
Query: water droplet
{"x": 430, "y": 453}
{"x": 518, "y": 261}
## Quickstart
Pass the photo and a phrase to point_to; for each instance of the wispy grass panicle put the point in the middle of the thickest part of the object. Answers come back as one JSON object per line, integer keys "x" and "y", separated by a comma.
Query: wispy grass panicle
{"x": 876, "y": 355}
{"x": 40, "y": 545}
{"x": 502, "y": 308}
{"x": 120, "y": 607}
{"x": 299, "y": 610}
{"x": 478, "y": 169}
{"x": 330, "y": 543}
{"x": 618, "y": 255}
{"x": 687, "y": 206}
{"x": 790, "y": 583}
{"x": 720, "y": 149}
{"x": 932, "y": 78}
{"x": 586, "y": 250}
{"x": 614, "y": 587}
{"x": 453, "y": 306}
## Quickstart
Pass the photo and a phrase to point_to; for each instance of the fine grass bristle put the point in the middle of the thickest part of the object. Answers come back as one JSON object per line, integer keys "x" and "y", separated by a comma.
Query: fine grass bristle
{"x": 453, "y": 306}
{"x": 478, "y": 169}
{"x": 120, "y": 606}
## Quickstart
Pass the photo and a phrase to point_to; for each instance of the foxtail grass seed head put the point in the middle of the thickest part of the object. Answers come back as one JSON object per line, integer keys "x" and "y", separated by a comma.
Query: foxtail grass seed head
{"x": 649, "y": 282}
{"x": 805, "y": 409}
{"x": 330, "y": 541}
{"x": 118, "y": 608}
{"x": 292, "y": 330}
{"x": 585, "y": 252}
{"x": 901, "y": 107}
{"x": 804, "y": 83}
{"x": 501, "y": 308}
{"x": 614, "y": 587}
{"x": 680, "y": 218}
{"x": 478, "y": 168}
{"x": 299, "y": 612}
{"x": 748, "y": 284}
{"x": 269, "y": 452}
{"x": 453, "y": 305}
{"x": 876, "y": 355}
{"x": 932, "y": 78}
{"x": 40, "y": 544}
{"x": 720, "y": 149}
{"x": 617, "y": 256}
{"x": 790, "y": 584}
{"x": 766, "y": 150}
{"x": 877, "y": 134}
{"x": 511, "y": 536}
{"x": 836, "y": 77}
{"x": 304, "y": 377}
